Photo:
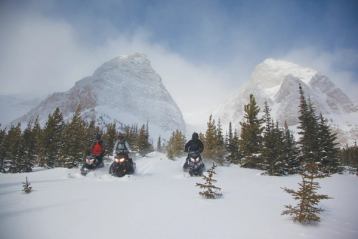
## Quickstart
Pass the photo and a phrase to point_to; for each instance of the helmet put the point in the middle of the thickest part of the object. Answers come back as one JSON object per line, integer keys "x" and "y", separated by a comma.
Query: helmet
{"x": 98, "y": 137}
{"x": 120, "y": 136}
{"x": 195, "y": 136}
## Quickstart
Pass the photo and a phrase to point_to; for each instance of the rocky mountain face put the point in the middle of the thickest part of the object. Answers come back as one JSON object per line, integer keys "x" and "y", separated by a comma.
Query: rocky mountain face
{"x": 125, "y": 90}
{"x": 277, "y": 82}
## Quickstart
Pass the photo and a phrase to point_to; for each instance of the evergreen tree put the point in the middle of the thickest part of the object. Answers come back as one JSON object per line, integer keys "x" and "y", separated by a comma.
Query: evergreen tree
{"x": 29, "y": 146}
{"x": 143, "y": 144}
{"x": 210, "y": 191}
{"x": 349, "y": 156}
{"x": 220, "y": 150}
{"x": 37, "y": 134}
{"x": 269, "y": 151}
{"x": 91, "y": 132}
{"x": 159, "y": 145}
{"x": 210, "y": 142}
{"x": 250, "y": 139}
{"x": 109, "y": 137}
{"x": 308, "y": 131}
{"x": 306, "y": 211}
{"x": 280, "y": 166}
{"x": 132, "y": 136}
{"x": 75, "y": 141}
{"x": 2, "y": 149}
{"x": 175, "y": 146}
{"x": 214, "y": 145}
{"x": 232, "y": 146}
{"x": 53, "y": 139}
{"x": 328, "y": 147}
{"x": 291, "y": 152}
{"x": 273, "y": 151}
{"x": 14, "y": 151}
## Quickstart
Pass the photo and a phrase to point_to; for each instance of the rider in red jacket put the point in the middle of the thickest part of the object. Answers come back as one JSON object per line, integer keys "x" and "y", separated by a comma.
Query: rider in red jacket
{"x": 97, "y": 149}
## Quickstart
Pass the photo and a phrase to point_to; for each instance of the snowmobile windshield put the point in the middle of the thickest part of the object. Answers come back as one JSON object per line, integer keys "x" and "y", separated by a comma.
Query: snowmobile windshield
{"x": 194, "y": 154}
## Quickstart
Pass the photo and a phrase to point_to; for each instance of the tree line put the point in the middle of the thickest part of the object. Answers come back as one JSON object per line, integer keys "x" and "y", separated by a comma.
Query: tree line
{"x": 62, "y": 143}
{"x": 263, "y": 144}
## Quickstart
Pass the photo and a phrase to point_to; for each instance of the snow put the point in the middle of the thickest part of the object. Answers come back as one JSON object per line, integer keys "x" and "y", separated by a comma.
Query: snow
{"x": 160, "y": 201}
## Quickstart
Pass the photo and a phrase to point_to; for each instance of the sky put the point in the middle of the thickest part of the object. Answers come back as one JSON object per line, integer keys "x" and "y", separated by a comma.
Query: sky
{"x": 203, "y": 50}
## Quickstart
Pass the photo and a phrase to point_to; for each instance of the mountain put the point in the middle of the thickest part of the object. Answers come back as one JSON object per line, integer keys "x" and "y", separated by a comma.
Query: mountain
{"x": 13, "y": 106}
{"x": 125, "y": 90}
{"x": 277, "y": 81}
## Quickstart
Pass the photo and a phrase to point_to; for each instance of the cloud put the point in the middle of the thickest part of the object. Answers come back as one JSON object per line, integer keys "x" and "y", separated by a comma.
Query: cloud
{"x": 41, "y": 55}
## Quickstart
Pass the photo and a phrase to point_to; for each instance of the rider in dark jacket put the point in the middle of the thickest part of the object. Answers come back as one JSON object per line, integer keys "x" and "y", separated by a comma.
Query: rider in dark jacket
{"x": 194, "y": 144}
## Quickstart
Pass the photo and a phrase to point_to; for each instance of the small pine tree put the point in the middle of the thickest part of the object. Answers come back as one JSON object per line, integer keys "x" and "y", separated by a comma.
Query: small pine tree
{"x": 210, "y": 191}
{"x": 26, "y": 186}
{"x": 306, "y": 211}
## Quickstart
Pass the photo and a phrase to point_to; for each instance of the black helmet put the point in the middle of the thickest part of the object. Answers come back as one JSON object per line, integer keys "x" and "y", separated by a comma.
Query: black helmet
{"x": 195, "y": 136}
{"x": 98, "y": 136}
{"x": 120, "y": 136}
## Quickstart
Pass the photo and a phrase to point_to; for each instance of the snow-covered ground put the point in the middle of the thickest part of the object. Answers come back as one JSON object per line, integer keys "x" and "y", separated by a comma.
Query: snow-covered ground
{"x": 160, "y": 201}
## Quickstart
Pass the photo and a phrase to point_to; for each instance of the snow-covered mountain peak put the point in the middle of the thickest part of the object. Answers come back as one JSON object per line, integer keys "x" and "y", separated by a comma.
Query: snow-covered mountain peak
{"x": 136, "y": 65}
{"x": 277, "y": 82}
{"x": 271, "y": 73}
{"x": 126, "y": 90}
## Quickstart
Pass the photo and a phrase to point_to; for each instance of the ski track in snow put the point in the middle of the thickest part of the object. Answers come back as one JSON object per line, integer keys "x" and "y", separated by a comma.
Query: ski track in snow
{"x": 161, "y": 201}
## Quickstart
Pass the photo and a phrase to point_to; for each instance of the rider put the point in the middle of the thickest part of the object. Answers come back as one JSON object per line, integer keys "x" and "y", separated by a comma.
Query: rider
{"x": 97, "y": 150}
{"x": 194, "y": 144}
{"x": 121, "y": 146}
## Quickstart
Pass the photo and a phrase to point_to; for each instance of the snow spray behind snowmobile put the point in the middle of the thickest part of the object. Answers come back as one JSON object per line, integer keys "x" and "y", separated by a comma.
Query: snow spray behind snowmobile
{"x": 194, "y": 164}
{"x": 91, "y": 163}
{"x": 122, "y": 165}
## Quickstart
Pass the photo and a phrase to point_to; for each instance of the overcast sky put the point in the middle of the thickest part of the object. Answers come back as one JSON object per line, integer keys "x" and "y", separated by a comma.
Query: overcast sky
{"x": 204, "y": 50}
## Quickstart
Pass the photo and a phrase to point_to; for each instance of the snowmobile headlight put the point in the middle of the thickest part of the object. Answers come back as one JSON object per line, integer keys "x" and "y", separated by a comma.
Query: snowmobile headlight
{"x": 193, "y": 160}
{"x": 197, "y": 159}
{"x": 119, "y": 160}
{"x": 89, "y": 161}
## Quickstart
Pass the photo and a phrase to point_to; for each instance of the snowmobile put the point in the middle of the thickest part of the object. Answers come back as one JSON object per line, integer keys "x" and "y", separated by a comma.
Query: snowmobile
{"x": 122, "y": 165}
{"x": 194, "y": 164}
{"x": 91, "y": 163}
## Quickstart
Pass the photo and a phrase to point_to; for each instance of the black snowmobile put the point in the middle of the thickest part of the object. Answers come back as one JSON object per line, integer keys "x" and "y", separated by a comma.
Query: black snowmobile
{"x": 91, "y": 163}
{"x": 194, "y": 164}
{"x": 122, "y": 165}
